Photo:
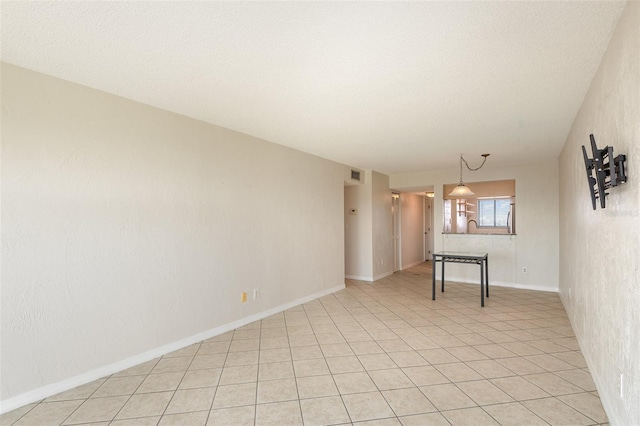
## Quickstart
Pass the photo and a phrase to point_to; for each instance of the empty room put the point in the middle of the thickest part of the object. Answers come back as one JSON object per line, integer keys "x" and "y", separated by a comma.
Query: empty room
{"x": 319, "y": 213}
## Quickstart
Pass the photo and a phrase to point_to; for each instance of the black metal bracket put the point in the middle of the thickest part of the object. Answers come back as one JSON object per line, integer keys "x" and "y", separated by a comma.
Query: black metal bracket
{"x": 609, "y": 171}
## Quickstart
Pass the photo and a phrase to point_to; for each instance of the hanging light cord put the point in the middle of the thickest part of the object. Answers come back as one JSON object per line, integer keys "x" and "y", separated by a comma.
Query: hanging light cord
{"x": 467, "y": 164}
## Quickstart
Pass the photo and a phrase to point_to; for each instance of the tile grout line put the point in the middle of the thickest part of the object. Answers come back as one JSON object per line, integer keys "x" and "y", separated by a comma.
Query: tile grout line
{"x": 181, "y": 379}
{"x": 397, "y": 309}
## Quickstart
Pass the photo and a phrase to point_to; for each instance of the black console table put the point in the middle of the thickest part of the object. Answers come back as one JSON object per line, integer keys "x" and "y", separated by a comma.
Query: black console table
{"x": 481, "y": 259}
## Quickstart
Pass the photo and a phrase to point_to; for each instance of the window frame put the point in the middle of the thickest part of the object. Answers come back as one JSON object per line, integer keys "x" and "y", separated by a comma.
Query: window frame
{"x": 494, "y": 200}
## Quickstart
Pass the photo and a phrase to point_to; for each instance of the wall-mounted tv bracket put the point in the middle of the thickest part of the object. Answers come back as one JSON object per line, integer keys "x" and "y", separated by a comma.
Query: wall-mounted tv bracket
{"x": 609, "y": 171}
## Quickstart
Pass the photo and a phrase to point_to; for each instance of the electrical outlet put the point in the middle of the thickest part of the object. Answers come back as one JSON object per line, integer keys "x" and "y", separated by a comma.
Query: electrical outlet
{"x": 256, "y": 293}
{"x": 243, "y": 297}
{"x": 524, "y": 270}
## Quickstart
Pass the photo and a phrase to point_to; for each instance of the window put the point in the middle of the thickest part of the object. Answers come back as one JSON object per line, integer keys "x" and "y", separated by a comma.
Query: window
{"x": 493, "y": 212}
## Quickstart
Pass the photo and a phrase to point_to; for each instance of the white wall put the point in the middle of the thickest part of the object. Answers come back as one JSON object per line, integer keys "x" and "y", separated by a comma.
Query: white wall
{"x": 358, "y": 235}
{"x": 368, "y": 236}
{"x": 412, "y": 223}
{"x": 536, "y": 244}
{"x": 600, "y": 250}
{"x": 382, "y": 232}
{"x": 126, "y": 228}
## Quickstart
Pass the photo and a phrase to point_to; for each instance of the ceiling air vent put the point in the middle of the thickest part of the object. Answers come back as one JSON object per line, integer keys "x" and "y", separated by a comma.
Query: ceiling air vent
{"x": 355, "y": 175}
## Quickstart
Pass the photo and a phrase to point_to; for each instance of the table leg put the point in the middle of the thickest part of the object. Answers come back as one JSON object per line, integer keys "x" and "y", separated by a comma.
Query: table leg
{"x": 433, "y": 280}
{"x": 481, "y": 283}
{"x": 486, "y": 273}
{"x": 443, "y": 262}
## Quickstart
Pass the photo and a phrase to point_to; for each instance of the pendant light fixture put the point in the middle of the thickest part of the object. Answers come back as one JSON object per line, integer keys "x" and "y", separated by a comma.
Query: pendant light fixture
{"x": 462, "y": 191}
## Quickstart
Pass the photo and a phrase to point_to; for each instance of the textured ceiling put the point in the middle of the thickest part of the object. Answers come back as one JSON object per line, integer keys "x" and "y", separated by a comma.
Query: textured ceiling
{"x": 390, "y": 86}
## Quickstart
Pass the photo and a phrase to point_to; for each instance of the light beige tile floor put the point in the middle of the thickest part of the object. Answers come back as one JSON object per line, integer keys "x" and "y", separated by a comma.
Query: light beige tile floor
{"x": 381, "y": 353}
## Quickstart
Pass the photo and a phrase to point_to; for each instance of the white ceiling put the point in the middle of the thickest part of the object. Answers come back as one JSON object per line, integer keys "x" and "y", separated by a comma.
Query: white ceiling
{"x": 390, "y": 86}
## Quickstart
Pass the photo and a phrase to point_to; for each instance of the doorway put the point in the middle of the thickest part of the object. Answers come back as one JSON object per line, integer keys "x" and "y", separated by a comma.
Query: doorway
{"x": 428, "y": 228}
{"x": 395, "y": 231}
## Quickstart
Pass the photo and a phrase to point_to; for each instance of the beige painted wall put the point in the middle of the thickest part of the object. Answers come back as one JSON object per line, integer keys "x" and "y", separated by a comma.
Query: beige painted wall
{"x": 412, "y": 225}
{"x": 600, "y": 250}
{"x": 126, "y": 228}
{"x": 382, "y": 232}
{"x": 536, "y": 244}
{"x": 358, "y": 236}
{"x": 369, "y": 249}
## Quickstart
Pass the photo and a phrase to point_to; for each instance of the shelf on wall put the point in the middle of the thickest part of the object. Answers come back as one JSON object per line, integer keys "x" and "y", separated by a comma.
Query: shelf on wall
{"x": 462, "y": 207}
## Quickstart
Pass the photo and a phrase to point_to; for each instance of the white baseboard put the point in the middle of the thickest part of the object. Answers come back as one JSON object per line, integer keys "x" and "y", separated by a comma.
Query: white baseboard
{"x": 411, "y": 265}
{"x": 503, "y": 284}
{"x": 371, "y": 279}
{"x": 72, "y": 382}
{"x": 526, "y": 287}
{"x": 605, "y": 398}
{"x": 277, "y": 309}
{"x": 383, "y": 275}
{"x": 359, "y": 278}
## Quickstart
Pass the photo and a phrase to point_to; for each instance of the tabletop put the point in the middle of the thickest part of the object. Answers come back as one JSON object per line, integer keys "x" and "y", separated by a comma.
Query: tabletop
{"x": 461, "y": 254}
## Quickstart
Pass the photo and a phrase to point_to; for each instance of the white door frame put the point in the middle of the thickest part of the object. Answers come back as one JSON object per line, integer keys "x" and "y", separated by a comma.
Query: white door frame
{"x": 396, "y": 231}
{"x": 427, "y": 227}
